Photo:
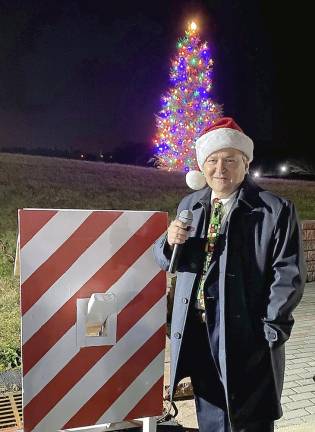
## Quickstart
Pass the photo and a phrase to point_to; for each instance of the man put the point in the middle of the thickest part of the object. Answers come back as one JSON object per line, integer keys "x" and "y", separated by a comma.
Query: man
{"x": 240, "y": 274}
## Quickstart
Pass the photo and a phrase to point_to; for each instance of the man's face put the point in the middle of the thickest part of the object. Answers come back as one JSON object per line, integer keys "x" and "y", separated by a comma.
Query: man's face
{"x": 225, "y": 170}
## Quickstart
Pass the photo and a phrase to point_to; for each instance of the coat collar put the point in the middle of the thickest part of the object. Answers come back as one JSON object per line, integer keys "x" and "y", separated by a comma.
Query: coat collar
{"x": 248, "y": 195}
{"x": 202, "y": 198}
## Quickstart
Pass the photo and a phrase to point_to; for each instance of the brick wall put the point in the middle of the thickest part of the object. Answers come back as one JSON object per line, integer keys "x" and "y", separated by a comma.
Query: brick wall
{"x": 308, "y": 228}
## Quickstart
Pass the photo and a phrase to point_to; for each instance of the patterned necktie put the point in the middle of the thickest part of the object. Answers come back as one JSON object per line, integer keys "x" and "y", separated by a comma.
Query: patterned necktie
{"x": 213, "y": 234}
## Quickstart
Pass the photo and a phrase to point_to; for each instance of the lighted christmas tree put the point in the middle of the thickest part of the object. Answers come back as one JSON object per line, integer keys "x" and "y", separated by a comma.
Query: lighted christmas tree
{"x": 187, "y": 107}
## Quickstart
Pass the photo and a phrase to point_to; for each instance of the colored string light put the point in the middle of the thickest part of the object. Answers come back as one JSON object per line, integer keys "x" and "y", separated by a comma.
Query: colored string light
{"x": 187, "y": 107}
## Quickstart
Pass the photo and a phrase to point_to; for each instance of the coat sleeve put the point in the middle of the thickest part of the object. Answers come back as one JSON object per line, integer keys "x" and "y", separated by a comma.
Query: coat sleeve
{"x": 289, "y": 274}
{"x": 161, "y": 250}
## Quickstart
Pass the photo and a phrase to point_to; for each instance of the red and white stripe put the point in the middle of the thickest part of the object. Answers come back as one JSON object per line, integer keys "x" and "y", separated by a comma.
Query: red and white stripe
{"x": 67, "y": 255}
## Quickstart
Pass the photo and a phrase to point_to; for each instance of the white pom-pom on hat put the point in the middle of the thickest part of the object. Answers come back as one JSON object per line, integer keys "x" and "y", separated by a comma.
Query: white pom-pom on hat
{"x": 195, "y": 180}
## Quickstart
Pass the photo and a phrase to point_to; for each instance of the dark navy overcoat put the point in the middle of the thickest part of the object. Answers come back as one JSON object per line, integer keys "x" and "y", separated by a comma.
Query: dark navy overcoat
{"x": 261, "y": 281}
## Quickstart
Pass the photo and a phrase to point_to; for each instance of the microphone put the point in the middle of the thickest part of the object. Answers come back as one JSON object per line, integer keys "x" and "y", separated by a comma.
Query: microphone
{"x": 185, "y": 216}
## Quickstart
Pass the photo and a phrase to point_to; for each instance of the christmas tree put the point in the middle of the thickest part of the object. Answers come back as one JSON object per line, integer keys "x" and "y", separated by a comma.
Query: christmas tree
{"x": 187, "y": 106}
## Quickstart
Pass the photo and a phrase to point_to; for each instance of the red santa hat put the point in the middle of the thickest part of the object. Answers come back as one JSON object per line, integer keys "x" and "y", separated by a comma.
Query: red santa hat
{"x": 223, "y": 133}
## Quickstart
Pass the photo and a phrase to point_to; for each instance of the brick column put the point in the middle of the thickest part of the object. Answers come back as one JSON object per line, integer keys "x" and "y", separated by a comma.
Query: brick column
{"x": 308, "y": 227}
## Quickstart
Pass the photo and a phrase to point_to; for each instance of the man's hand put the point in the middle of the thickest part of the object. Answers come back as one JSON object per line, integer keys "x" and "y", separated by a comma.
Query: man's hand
{"x": 177, "y": 233}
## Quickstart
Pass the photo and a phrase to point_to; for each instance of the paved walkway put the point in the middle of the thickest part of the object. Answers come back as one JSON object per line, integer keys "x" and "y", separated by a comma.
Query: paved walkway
{"x": 298, "y": 398}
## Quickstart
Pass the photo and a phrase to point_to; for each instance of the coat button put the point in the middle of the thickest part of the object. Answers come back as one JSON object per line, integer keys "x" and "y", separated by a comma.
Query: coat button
{"x": 273, "y": 336}
{"x": 185, "y": 300}
{"x": 177, "y": 335}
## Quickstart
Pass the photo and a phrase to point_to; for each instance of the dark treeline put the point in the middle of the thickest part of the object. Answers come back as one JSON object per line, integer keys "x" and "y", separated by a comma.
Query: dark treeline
{"x": 268, "y": 164}
{"x": 130, "y": 153}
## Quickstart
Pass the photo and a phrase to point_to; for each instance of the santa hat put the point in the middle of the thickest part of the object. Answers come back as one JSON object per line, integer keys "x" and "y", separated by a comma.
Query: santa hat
{"x": 223, "y": 133}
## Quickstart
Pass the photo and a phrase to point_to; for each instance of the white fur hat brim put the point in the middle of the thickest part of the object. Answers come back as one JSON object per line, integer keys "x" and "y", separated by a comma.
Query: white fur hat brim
{"x": 222, "y": 138}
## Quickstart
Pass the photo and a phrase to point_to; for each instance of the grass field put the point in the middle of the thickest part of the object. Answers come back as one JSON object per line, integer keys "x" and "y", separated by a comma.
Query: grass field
{"x": 39, "y": 182}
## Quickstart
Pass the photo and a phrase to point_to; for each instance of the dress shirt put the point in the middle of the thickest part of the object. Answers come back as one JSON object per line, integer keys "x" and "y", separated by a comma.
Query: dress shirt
{"x": 226, "y": 202}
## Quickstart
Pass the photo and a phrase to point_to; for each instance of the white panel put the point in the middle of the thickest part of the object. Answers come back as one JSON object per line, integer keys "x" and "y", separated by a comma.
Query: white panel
{"x": 60, "y": 354}
{"x": 48, "y": 239}
{"x": 49, "y": 365}
{"x": 135, "y": 392}
{"x": 105, "y": 368}
{"x": 81, "y": 271}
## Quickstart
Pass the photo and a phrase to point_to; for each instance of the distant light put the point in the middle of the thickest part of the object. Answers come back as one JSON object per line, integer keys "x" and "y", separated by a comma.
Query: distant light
{"x": 256, "y": 174}
{"x": 82, "y": 156}
{"x": 283, "y": 168}
{"x": 102, "y": 156}
{"x": 193, "y": 26}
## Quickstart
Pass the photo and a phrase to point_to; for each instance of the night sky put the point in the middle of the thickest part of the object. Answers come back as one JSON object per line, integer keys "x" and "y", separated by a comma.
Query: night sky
{"x": 88, "y": 75}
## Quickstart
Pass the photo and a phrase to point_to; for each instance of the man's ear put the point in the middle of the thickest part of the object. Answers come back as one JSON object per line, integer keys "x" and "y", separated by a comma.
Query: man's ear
{"x": 246, "y": 162}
